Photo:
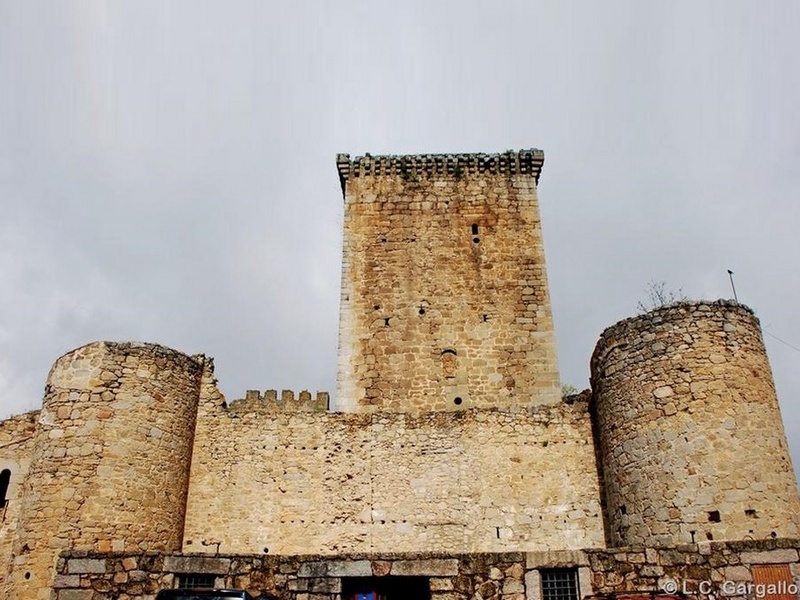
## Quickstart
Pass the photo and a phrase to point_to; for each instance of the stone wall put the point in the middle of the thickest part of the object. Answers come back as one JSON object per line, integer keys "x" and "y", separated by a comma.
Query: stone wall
{"x": 475, "y": 480}
{"x": 16, "y": 450}
{"x": 111, "y": 458}
{"x": 706, "y": 571}
{"x": 445, "y": 302}
{"x": 691, "y": 440}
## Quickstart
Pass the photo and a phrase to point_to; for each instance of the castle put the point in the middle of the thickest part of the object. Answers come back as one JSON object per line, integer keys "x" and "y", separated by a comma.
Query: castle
{"x": 450, "y": 468}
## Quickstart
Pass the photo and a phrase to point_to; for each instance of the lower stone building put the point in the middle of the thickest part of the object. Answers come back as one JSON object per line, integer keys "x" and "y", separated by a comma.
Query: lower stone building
{"x": 449, "y": 467}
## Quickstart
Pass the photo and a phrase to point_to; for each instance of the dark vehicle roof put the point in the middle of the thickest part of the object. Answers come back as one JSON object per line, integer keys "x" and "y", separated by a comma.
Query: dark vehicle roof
{"x": 202, "y": 594}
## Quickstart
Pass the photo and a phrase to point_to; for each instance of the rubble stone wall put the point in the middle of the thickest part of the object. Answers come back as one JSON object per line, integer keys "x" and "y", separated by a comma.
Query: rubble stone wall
{"x": 111, "y": 458}
{"x": 445, "y": 303}
{"x": 691, "y": 441}
{"x": 16, "y": 450}
{"x": 705, "y": 571}
{"x": 475, "y": 480}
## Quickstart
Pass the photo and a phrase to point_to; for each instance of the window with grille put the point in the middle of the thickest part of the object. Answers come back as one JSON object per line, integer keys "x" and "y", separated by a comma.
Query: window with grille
{"x": 196, "y": 580}
{"x": 559, "y": 584}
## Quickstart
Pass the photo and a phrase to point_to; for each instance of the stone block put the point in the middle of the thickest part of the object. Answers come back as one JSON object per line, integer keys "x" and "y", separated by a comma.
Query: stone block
{"x": 781, "y": 556}
{"x": 738, "y": 573}
{"x": 86, "y": 565}
{"x": 325, "y": 585}
{"x": 298, "y": 585}
{"x": 513, "y": 586}
{"x": 75, "y": 595}
{"x": 381, "y": 568}
{"x": 431, "y": 567}
{"x": 129, "y": 563}
{"x": 349, "y": 568}
{"x": 515, "y": 571}
{"x": 313, "y": 569}
{"x": 441, "y": 584}
{"x": 197, "y": 564}
{"x": 66, "y": 581}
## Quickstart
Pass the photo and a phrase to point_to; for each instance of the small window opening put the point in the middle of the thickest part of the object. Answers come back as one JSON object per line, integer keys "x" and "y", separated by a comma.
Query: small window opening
{"x": 709, "y": 536}
{"x": 195, "y": 580}
{"x": 27, "y": 574}
{"x": 5, "y": 478}
{"x": 474, "y": 229}
{"x": 476, "y": 240}
{"x": 751, "y": 512}
{"x": 497, "y": 532}
{"x": 386, "y": 321}
{"x": 691, "y": 533}
{"x": 623, "y": 509}
{"x": 449, "y": 363}
{"x": 457, "y": 401}
{"x": 713, "y": 516}
{"x": 421, "y": 310}
{"x": 485, "y": 318}
{"x": 559, "y": 584}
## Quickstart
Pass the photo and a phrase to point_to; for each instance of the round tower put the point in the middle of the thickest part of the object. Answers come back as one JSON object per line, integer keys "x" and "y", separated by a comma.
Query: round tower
{"x": 689, "y": 433}
{"x": 111, "y": 458}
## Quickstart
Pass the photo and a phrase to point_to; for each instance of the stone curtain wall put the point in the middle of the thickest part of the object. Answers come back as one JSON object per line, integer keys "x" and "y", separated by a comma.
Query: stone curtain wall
{"x": 690, "y": 434}
{"x": 16, "y": 449}
{"x": 111, "y": 458}
{"x": 445, "y": 303}
{"x": 477, "y": 480}
{"x": 705, "y": 571}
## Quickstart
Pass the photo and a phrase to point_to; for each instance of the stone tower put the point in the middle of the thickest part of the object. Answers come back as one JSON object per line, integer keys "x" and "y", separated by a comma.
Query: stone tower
{"x": 689, "y": 431}
{"x": 110, "y": 467}
{"x": 445, "y": 303}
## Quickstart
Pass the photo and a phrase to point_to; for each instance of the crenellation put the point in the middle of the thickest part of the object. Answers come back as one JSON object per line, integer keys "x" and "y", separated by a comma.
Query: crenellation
{"x": 414, "y": 167}
{"x": 287, "y": 401}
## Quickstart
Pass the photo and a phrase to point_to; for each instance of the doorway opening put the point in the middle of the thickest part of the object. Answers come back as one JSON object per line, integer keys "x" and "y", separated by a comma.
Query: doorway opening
{"x": 386, "y": 588}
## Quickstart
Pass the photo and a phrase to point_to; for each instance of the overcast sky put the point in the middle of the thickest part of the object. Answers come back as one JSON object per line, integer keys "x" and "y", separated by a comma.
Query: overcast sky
{"x": 167, "y": 168}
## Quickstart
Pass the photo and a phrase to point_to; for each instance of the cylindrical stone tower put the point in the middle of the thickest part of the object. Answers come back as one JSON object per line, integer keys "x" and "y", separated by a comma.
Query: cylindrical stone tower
{"x": 689, "y": 432}
{"x": 111, "y": 458}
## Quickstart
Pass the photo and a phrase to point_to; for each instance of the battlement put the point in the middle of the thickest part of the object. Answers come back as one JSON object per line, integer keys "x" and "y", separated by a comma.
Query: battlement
{"x": 270, "y": 401}
{"x": 415, "y": 166}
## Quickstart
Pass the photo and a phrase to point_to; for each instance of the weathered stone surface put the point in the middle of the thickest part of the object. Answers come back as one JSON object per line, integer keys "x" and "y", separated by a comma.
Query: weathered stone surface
{"x": 478, "y": 312}
{"x": 117, "y": 422}
{"x": 86, "y": 565}
{"x": 342, "y": 475}
{"x": 66, "y": 581}
{"x": 196, "y": 564}
{"x": 75, "y": 595}
{"x": 682, "y": 430}
{"x": 432, "y": 567}
{"x": 785, "y": 556}
{"x": 441, "y": 584}
{"x": 381, "y": 568}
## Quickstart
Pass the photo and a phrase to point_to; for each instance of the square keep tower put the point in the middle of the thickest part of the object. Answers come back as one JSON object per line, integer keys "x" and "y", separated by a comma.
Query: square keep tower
{"x": 445, "y": 304}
